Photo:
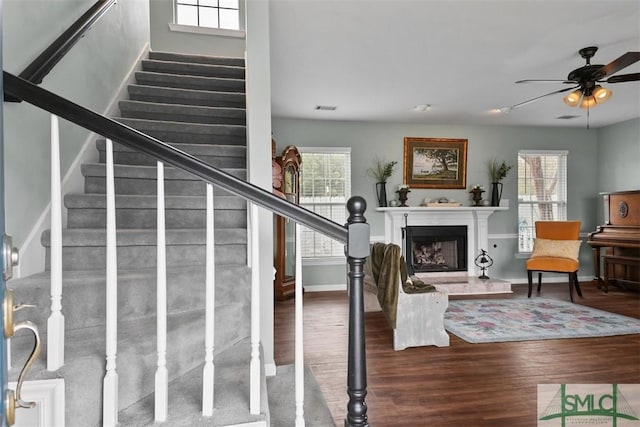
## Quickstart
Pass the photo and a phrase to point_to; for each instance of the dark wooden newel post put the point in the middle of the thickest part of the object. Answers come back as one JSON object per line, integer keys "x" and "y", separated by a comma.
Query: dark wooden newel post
{"x": 357, "y": 252}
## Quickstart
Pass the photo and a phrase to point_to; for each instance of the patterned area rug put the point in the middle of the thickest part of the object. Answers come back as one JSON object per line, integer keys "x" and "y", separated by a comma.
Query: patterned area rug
{"x": 479, "y": 321}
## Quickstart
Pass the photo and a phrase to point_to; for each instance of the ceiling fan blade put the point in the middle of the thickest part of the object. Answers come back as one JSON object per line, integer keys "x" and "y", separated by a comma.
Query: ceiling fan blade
{"x": 624, "y": 78}
{"x": 616, "y": 65}
{"x": 547, "y": 81}
{"x": 521, "y": 104}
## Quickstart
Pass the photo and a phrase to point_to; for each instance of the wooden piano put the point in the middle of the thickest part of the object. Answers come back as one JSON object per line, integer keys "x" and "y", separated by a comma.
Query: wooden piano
{"x": 620, "y": 238}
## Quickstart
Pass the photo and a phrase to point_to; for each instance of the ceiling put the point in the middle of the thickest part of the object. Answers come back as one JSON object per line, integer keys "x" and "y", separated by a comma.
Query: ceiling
{"x": 376, "y": 59}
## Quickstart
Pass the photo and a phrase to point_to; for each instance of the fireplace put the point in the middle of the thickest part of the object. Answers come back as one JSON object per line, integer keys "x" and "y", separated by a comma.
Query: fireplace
{"x": 431, "y": 249}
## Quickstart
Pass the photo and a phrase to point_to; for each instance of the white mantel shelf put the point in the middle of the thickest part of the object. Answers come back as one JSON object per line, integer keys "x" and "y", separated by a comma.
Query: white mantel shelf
{"x": 474, "y": 218}
{"x": 488, "y": 209}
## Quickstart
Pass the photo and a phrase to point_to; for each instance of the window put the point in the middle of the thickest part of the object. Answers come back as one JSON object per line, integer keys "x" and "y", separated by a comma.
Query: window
{"x": 325, "y": 187}
{"x": 223, "y": 14}
{"x": 542, "y": 192}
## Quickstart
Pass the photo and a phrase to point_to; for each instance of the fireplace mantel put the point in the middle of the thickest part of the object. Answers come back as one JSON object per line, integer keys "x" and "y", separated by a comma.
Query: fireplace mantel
{"x": 475, "y": 218}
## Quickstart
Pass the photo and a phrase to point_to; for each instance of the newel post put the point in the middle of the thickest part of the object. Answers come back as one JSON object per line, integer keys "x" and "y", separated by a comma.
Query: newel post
{"x": 357, "y": 251}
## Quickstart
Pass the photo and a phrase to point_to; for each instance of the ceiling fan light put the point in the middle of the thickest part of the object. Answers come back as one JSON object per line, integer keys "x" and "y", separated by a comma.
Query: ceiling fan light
{"x": 573, "y": 99}
{"x": 588, "y": 102}
{"x": 601, "y": 94}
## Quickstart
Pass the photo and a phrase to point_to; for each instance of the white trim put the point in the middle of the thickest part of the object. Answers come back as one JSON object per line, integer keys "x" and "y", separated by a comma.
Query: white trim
{"x": 207, "y": 31}
{"x": 550, "y": 152}
{"x": 50, "y": 403}
{"x": 333, "y": 150}
{"x": 503, "y": 236}
{"x": 270, "y": 369}
{"x": 549, "y": 278}
{"x": 319, "y": 261}
{"x": 325, "y": 288}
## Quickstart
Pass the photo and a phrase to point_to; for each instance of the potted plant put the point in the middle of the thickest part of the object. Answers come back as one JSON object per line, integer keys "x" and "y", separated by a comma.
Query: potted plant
{"x": 381, "y": 171}
{"x": 497, "y": 172}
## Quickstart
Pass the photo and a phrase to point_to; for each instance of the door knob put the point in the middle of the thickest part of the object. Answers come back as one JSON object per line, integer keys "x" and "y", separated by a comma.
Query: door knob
{"x": 13, "y": 399}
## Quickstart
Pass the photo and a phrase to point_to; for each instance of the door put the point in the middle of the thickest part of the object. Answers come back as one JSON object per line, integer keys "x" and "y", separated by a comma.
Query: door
{"x": 3, "y": 341}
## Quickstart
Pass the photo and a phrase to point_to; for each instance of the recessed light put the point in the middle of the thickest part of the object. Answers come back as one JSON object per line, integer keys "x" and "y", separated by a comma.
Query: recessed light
{"x": 326, "y": 108}
{"x": 420, "y": 108}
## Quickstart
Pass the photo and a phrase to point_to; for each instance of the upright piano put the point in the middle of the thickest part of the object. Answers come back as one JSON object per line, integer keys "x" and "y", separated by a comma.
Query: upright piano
{"x": 618, "y": 239}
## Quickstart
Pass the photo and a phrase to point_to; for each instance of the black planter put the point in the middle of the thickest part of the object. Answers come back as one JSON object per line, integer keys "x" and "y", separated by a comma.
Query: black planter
{"x": 496, "y": 193}
{"x": 381, "y": 193}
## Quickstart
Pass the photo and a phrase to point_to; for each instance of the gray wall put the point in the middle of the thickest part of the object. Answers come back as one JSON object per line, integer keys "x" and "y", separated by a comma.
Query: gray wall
{"x": 90, "y": 75}
{"x": 385, "y": 140}
{"x": 163, "y": 39}
{"x": 619, "y": 157}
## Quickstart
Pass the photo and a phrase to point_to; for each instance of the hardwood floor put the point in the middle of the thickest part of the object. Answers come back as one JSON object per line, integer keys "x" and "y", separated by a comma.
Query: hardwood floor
{"x": 469, "y": 385}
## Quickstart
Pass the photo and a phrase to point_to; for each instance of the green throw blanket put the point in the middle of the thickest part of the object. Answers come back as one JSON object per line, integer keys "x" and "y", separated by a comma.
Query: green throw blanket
{"x": 387, "y": 263}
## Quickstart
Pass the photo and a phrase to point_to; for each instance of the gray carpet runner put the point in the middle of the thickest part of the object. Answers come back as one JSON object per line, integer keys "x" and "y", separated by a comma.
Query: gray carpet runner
{"x": 196, "y": 104}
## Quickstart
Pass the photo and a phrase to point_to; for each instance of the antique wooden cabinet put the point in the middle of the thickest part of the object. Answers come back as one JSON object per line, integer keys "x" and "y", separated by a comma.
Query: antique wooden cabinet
{"x": 285, "y": 237}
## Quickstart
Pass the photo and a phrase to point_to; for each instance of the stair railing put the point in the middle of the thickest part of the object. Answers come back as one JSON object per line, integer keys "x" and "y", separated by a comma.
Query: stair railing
{"x": 355, "y": 236}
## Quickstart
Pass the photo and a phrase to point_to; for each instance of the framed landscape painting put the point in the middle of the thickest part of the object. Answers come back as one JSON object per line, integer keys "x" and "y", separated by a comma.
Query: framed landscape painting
{"x": 435, "y": 162}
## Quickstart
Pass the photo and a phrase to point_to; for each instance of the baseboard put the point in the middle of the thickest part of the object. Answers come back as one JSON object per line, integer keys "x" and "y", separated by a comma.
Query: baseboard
{"x": 548, "y": 279}
{"x": 270, "y": 369}
{"x": 325, "y": 288}
{"x": 32, "y": 253}
{"x": 49, "y": 396}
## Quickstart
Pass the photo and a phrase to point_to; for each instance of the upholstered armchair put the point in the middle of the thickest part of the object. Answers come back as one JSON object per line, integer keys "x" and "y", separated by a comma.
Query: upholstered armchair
{"x": 555, "y": 249}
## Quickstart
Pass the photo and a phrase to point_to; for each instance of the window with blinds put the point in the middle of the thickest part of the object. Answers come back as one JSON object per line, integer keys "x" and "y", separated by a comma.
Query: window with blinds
{"x": 224, "y": 14}
{"x": 542, "y": 192}
{"x": 325, "y": 187}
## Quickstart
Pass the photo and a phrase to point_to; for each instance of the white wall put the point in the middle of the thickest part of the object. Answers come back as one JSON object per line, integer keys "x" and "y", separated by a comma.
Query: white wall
{"x": 90, "y": 75}
{"x": 385, "y": 140}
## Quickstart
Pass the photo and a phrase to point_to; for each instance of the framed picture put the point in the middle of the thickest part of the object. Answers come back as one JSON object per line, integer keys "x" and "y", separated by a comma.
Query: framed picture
{"x": 435, "y": 162}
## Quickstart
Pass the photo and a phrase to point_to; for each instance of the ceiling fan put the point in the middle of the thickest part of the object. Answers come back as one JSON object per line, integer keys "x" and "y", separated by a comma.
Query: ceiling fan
{"x": 586, "y": 91}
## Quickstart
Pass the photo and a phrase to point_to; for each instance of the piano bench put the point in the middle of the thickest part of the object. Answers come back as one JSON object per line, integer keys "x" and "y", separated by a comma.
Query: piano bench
{"x": 613, "y": 260}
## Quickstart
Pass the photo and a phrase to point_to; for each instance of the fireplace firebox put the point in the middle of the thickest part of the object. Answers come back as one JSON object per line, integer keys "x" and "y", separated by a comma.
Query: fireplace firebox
{"x": 430, "y": 249}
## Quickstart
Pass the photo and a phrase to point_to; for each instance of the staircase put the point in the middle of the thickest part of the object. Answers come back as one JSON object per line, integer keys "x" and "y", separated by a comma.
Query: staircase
{"x": 196, "y": 104}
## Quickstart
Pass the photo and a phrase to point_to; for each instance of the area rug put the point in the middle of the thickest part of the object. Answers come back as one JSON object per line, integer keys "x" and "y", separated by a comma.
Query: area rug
{"x": 481, "y": 321}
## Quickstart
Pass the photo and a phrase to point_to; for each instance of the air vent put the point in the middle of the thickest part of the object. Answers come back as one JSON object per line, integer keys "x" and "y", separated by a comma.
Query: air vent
{"x": 567, "y": 117}
{"x": 325, "y": 108}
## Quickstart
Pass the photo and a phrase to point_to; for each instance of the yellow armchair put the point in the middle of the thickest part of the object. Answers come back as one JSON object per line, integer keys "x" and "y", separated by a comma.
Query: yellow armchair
{"x": 555, "y": 250}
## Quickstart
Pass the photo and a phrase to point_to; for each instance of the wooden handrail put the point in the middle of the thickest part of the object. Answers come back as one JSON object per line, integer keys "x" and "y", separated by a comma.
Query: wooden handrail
{"x": 131, "y": 138}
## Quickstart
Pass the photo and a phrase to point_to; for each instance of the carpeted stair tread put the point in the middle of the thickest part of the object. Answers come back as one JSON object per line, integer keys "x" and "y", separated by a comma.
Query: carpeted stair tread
{"x": 84, "y": 294}
{"x": 282, "y": 399}
{"x": 191, "y": 96}
{"x": 84, "y": 367}
{"x": 99, "y": 201}
{"x": 84, "y": 249}
{"x": 231, "y": 407}
{"x": 190, "y": 82}
{"x": 218, "y": 155}
{"x": 140, "y": 211}
{"x": 183, "y": 113}
{"x": 197, "y": 59}
{"x": 193, "y": 69}
{"x": 147, "y": 172}
{"x": 188, "y": 132}
{"x": 97, "y": 237}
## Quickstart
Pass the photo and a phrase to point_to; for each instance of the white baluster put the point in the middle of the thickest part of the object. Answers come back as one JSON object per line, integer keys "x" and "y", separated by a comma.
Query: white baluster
{"x": 254, "y": 367}
{"x": 299, "y": 329}
{"x": 55, "y": 323}
{"x": 110, "y": 384}
{"x": 210, "y": 299}
{"x": 162, "y": 375}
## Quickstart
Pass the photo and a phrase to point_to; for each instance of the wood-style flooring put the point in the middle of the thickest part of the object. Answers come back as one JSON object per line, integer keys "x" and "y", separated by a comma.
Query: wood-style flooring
{"x": 464, "y": 385}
